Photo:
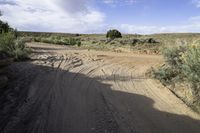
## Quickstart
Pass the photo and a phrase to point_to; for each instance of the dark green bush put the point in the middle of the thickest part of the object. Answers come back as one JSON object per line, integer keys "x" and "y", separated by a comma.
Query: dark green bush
{"x": 150, "y": 40}
{"x": 135, "y": 41}
{"x": 4, "y": 27}
{"x": 79, "y": 43}
{"x": 112, "y": 34}
{"x": 72, "y": 41}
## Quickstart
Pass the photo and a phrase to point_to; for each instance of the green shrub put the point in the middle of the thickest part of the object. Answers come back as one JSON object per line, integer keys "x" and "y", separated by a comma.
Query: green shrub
{"x": 4, "y": 27}
{"x": 72, "y": 41}
{"x": 112, "y": 34}
{"x": 37, "y": 39}
{"x": 21, "y": 55}
{"x": 174, "y": 65}
{"x": 173, "y": 56}
{"x": 7, "y": 43}
{"x": 166, "y": 74}
{"x": 191, "y": 67}
{"x": 13, "y": 47}
{"x": 183, "y": 63}
{"x": 58, "y": 40}
{"x": 79, "y": 43}
{"x": 150, "y": 40}
{"x": 135, "y": 42}
{"x": 66, "y": 41}
{"x": 58, "y": 37}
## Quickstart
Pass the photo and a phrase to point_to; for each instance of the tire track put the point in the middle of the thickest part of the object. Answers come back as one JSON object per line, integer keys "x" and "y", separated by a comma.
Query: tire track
{"x": 77, "y": 91}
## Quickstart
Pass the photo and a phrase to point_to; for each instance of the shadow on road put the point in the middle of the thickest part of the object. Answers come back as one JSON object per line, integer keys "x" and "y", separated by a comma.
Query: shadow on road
{"x": 42, "y": 99}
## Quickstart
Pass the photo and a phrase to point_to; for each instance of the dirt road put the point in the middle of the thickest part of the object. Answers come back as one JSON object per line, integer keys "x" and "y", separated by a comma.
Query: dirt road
{"x": 63, "y": 90}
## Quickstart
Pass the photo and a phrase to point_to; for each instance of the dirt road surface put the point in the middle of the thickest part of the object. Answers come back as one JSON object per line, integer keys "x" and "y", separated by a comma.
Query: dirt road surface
{"x": 64, "y": 90}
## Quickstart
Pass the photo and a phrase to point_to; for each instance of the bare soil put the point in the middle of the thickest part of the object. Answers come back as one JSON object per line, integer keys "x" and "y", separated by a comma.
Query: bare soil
{"x": 66, "y": 90}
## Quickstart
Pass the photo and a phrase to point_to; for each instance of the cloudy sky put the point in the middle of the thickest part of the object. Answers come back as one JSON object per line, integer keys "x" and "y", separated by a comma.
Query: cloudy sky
{"x": 97, "y": 16}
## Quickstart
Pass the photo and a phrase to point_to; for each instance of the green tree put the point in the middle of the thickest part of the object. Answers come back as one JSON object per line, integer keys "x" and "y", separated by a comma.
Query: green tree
{"x": 4, "y": 27}
{"x": 112, "y": 34}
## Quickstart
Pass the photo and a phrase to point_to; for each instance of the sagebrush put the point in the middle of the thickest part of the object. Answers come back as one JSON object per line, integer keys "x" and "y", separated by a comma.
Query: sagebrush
{"x": 183, "y": 66}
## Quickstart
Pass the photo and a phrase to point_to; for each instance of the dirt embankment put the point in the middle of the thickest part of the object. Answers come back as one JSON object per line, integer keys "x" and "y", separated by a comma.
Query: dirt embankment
{"x": 63, "y": 90}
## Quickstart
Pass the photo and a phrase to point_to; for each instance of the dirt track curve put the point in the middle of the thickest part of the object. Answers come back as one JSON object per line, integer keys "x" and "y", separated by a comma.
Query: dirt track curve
{"x": 63, "y": 90}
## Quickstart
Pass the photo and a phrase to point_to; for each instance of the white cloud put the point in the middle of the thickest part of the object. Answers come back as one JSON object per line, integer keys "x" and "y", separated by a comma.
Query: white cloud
{"x": 108, "y": 1}
{"x": 196, "y": 2}
{"x": 72, "y": 5}
{"x": 55, "y": 15}
{"x": 7, "y": 2}
{"x": 129, "y": 28}
{"x": 76, "y": 16}
{"x": 119, "y": 2}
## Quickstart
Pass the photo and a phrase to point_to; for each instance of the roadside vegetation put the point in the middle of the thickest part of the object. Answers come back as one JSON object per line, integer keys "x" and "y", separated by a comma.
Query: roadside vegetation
{"x": 59, "y": 40}
{"x": 10, "y": 44}
{"x": 11, "y": 48}
{"x": 113, "y": 41}
{"x": 181, "y": 73}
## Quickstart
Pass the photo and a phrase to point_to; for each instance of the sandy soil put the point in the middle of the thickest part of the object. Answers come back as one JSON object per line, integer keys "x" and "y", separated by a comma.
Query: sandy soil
{"x": 65, "y": 90}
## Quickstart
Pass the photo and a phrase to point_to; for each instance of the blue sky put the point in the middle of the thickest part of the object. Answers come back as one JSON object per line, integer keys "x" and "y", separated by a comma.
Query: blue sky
{"x": 97, "y": 16}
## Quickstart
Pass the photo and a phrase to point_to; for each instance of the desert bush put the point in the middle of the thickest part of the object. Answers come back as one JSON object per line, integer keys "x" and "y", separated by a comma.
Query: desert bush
{"x": 7, "y": 43}
{"x": 77, "y": 34}
{"x": 191, "y": 67}
{"x": 112, "y": 34}
{"x": 10, "y": 44}
{"x": 112, "y": 43}
{"x": 58, "y": 37}
{"x": 182, "y": 65}
{"x": 20, "y": 51}
{"x": 13, "y": 47}
{"x": 150, "y": 40}
{"x": 21, "y": 55}
{"x": 72, "y": 41}
{"x": 166, "y": 74}
{"x": 79, "y": 43}
{"x": 94, "y": 42}
{"x": 59, "y": 40}
{"x": 135, "y": 42}
{"x": 173, "y": 56}
{"x": 37, "y": 39}
{"x": 174, "y": 63}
